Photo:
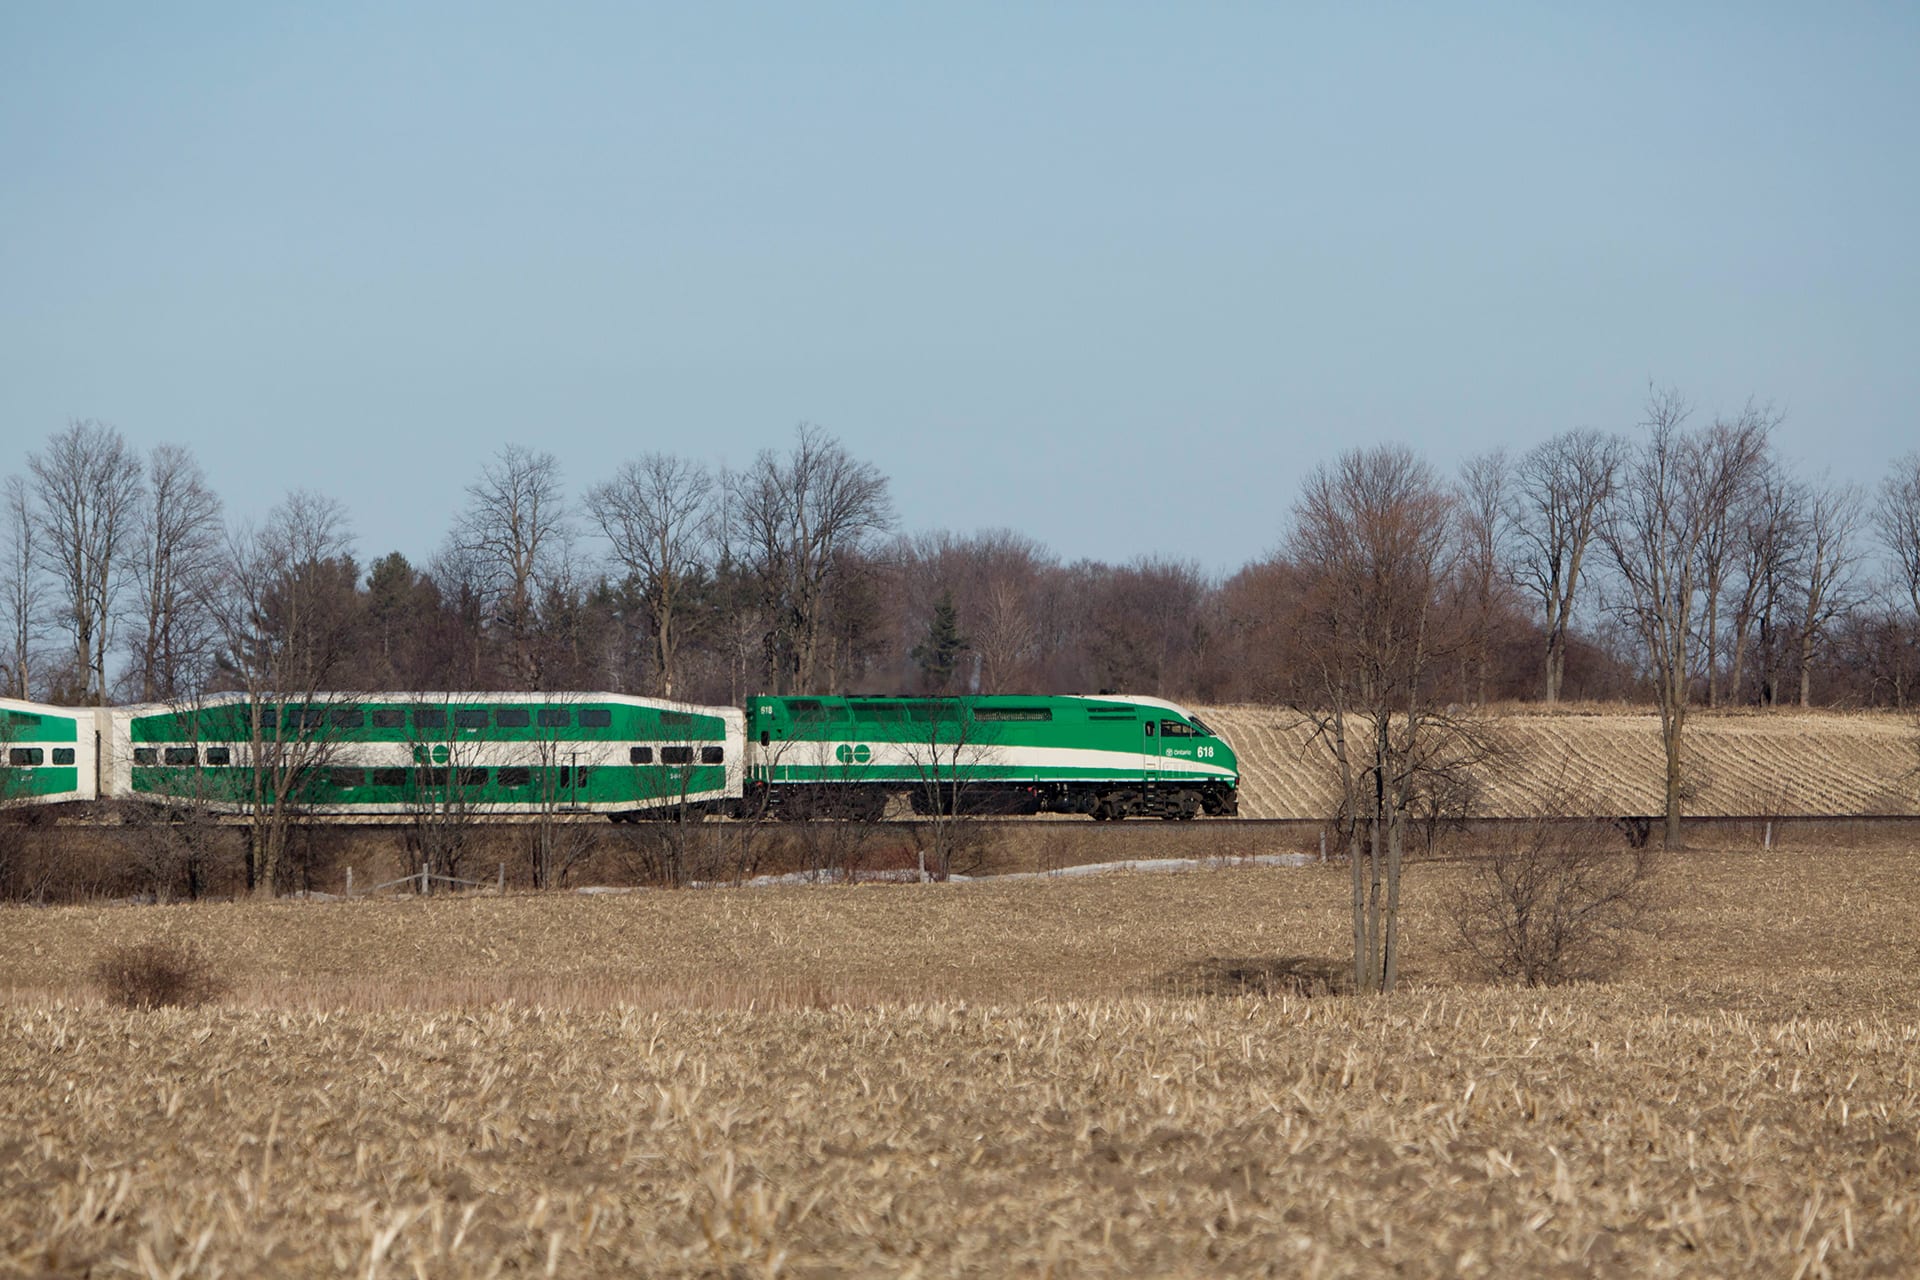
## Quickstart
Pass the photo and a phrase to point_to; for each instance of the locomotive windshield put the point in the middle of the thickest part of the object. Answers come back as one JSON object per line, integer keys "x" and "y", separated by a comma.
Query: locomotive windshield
{"x": 1201, "y": 726}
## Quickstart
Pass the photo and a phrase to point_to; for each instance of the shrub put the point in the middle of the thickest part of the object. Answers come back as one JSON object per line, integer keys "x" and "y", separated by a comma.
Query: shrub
{"x": 1563, "y": 903}
{"x": 149, "y": 975}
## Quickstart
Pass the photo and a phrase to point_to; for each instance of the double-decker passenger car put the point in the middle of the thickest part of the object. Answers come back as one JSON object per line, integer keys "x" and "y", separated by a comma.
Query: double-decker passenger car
{"x": 1111, "y": 756}
{"x": 374, "y": 754}
{"x": 46, "y": 753}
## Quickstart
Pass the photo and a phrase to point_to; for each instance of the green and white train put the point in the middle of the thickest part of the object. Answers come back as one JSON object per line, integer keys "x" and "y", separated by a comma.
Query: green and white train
{"x": 386, "y": 755}
{"x": 46, "y": 754}
{"x": 1110, "y": 757}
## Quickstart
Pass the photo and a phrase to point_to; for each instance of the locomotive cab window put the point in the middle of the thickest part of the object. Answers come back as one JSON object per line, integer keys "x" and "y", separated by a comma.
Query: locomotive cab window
{"x": 1176, "y": 729}
{"x": 1149, "y": 728}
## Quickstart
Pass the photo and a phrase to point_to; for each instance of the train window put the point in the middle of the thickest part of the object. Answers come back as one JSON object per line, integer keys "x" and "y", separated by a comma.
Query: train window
{"x": 347, "y": 718}
{"x": 146, "y": 755}
{"x": 1176, "y": 729}
{"x": 63, "y": 755}
{"x": 515, "y": 776}
{"x": 639, "y": 755}
{"x": 219, "y": 755}
{"x": 310, "y": 717}
{"x": 25, "y": 756}
{"x": 389, "y": 718}
{"x": 1012, "y": 713}
{"x": 1201, "y": 728}
{"x": 269, "y": 719}
{"x": 473, "y": 777}
{"x": 429, "y": 717}
{"x": 675, "y": 719}
{"x": 347, "y": 777}
{"x": 470, "y": 718}
{"x": 556, "y": 718}
{"x": 1149, "y": 728}
{"x": 389, "y": 777}
{"x": 512, "y": 717}
{"x": 713, "y": 755}
{"x": 584, "y": 774}
{"x": 595, "y": 718}
{"x": 434, "y": 777}
{"x": 180, "y": 755}
{"x": 676, "y": 755}
{"x": 558, "y": 776}
{"x": 764, "y": 738}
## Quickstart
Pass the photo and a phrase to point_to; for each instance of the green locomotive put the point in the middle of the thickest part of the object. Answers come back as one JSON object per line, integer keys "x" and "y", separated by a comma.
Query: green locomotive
{"x": 1110, "y": 757}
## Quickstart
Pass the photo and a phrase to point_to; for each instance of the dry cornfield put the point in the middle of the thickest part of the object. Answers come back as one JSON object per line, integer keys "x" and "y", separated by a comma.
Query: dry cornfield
{"x": 1078, "y": 1076}
{"x": 1609, "y": 761}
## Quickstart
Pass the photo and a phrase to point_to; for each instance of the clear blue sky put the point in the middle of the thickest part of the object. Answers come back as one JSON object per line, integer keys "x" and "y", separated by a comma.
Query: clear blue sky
{"x": 1113, "y": 275}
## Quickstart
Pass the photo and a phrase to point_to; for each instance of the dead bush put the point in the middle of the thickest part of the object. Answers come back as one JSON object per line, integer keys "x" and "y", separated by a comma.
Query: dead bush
{"x": 1562, "y": 903}
{"x": 154, "y": 974}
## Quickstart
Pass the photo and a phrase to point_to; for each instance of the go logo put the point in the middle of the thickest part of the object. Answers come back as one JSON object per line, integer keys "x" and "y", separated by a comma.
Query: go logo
{"x": 438, "y": 755}
{"x": 857, "y": 753}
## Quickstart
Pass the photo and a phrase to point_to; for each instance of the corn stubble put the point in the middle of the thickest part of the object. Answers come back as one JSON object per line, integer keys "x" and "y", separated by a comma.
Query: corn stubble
{"x": 1743, "y": 1101}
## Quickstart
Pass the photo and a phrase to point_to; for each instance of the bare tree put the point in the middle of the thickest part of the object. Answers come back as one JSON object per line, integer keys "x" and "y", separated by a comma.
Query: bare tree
{"x": 1769, "y": 529}
{"x": 89, "y": 490}
{"x": 1484, "y": 503}
{"x": 179, "y": 547}
{"x": 657, "y": 514}
{"x": 1897, "y": 519}
{"x": 514, "y": 528}
{"x": 1372, "y": 537}
{"x": 1827, "y": 571}
{"x": 1678, "y": 487}
{"x": 1728, "y": 460}
{"x": 1561, "y": 488}
{"x": 797, "y": 517}
{"x": 284, "y": 602}
{"x": 22, "y": 589}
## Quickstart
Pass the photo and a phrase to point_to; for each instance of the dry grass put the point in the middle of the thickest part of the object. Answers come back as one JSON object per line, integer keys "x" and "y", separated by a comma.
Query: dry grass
{"x": 1741, "y": 764}
{"x": 978, "y": 1079}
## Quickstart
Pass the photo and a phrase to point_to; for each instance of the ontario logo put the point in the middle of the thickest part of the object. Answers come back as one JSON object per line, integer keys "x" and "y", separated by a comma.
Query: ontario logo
{"x": 853, "y": 753}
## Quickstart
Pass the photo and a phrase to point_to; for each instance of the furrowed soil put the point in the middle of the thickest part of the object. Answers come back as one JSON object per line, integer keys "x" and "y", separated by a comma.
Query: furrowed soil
{"x": 1122, "y": 1074}
{"x": 1608, "y": 760}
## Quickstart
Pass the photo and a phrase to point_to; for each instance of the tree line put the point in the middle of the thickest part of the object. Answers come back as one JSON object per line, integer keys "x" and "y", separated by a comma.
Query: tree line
{"x": 1681, "y": 561}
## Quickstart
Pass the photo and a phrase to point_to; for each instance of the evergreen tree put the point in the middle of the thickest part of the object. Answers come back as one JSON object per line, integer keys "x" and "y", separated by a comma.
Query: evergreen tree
{"x": 944, "y": 644}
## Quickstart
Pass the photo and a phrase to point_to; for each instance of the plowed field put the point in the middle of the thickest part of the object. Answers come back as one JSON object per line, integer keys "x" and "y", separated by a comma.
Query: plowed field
{"x": 1784, "y": 764}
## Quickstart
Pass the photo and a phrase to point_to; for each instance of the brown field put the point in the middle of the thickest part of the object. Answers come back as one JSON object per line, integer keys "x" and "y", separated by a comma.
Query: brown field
{"x": 1093, "y": 1076}
{"x": 1782, "y": 763}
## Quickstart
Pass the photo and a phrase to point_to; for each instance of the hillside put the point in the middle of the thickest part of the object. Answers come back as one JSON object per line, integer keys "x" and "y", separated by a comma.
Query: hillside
{"x": 1741, "y": 764}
